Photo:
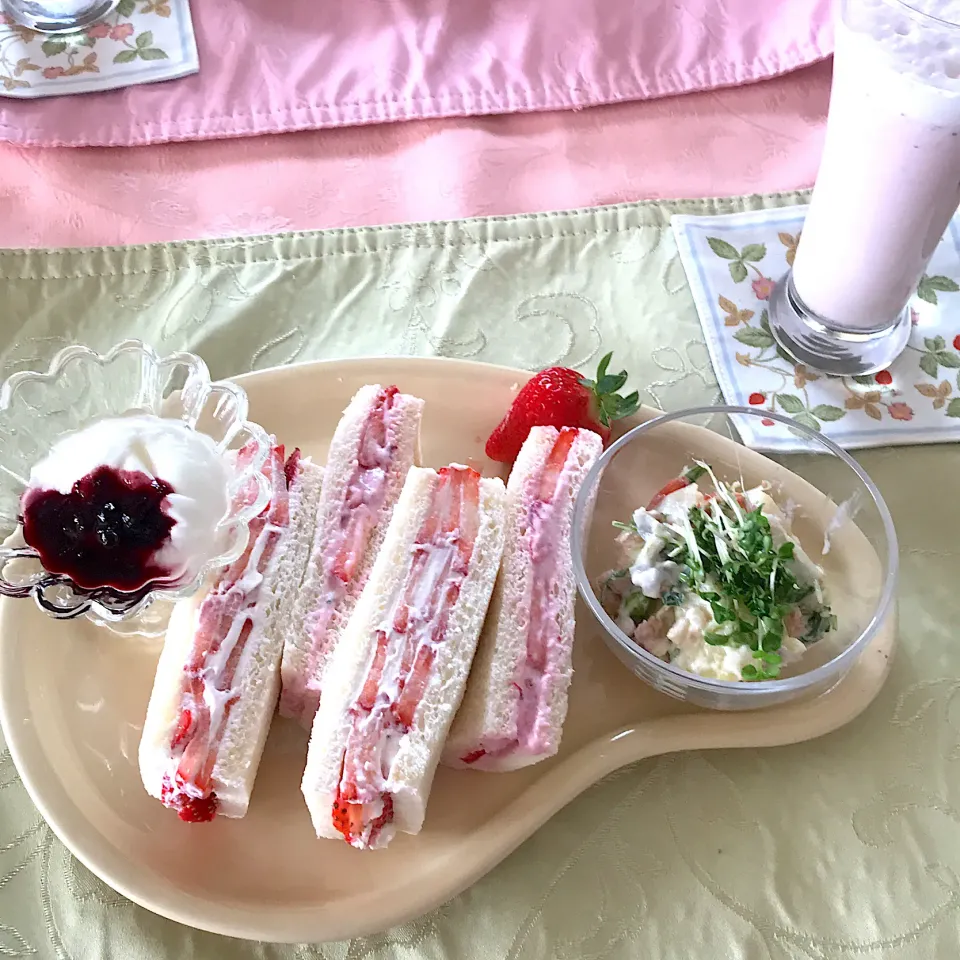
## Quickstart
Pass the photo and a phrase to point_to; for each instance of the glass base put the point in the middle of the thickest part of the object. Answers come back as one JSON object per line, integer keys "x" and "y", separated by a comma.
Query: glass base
{"x": 823, "y": 346}
{"x": 55, "y": 17}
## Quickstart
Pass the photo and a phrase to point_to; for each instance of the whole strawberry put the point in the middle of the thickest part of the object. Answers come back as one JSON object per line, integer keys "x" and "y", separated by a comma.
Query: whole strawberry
{"x": 561, "y": 397}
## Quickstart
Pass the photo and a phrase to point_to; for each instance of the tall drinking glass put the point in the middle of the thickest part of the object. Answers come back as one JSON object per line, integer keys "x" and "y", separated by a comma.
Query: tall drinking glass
{"x": 888, "y": 185}
{"x": 57, "y": 16}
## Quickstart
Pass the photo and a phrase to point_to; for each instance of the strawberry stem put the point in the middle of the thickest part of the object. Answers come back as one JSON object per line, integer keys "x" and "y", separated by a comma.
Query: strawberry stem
{"x": 610, "y": 405}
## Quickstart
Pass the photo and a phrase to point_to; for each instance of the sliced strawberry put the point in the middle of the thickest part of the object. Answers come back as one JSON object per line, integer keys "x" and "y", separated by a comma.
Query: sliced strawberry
{"x": 553, "y": 466}
{"x": 473, "y": 757}
{"x": 469, "y": 513}
{"x": 352, "y": 546}
{"x": 373, "y": 436}
{"x": 401, "y": 620}
{"x": 368, "y": 695}
{"x": 292, "y": 467}
{"x": 348, "y": 818}
{"x": 347, "y": 813}
{"x": 561, "y": 397}
{"x": 193, "y": 760}
{"x": 198, "y": 810}
{"x": 183, "y": 727}
{"x": 189, "y": 809}
{"x": 413, "y": 689}
{"x": 233, "y": 661}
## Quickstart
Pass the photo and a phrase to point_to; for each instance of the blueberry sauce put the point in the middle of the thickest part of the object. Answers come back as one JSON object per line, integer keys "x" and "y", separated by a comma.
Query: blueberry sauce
{"x": 106, "y": 532}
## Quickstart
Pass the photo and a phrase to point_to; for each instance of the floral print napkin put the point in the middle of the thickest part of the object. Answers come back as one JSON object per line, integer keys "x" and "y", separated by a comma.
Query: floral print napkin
{"x": 732, "y": 263}
{"x": 142, "y": 41}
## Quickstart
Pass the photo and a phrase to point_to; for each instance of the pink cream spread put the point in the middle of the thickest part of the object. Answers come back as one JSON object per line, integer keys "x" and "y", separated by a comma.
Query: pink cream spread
{"x": 228, "y": 617}
{"x": 536, "y": 673}
{"x": 407, "y": 643}
{"x": 363, "y": 499}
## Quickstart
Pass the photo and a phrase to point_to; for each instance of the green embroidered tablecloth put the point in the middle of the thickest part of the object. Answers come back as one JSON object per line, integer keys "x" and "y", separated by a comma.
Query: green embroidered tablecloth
{"x": 842, "y": 848}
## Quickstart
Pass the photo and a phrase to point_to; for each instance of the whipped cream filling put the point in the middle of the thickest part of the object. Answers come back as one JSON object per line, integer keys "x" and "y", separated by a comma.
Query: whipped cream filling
{"x": 161, "y": 449}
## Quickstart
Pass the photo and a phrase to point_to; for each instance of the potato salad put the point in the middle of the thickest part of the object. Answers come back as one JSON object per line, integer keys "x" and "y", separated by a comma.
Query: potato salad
{"x": 715, "y": 583}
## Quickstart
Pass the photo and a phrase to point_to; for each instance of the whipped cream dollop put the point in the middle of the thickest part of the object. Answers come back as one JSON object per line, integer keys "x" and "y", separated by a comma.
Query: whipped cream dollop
{"x": 185, "y": 462}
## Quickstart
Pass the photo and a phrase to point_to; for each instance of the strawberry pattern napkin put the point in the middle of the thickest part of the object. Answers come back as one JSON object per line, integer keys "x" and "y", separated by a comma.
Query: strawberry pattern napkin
{"x": 732, "y": 263}
{"x": 142, "y": 41}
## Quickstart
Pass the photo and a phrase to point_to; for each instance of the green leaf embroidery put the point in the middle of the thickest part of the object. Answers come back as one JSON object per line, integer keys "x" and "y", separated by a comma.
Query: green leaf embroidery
{"x": 926, "y": 292}
{"x": 152, "y": 53}
{"x": 723, "y": 249}
{"x": 943, "y": 284}
{"x": 765, "y": 320}
{"x": 126, "y": 8}
{"x": 947, "y": 359}
{"x": 125, "y": 56}
{"x": 934, "y": 343}
{"x": 790, "y": 403}
{"x": 827, "y": 412}
{"x": 84, "y": 41}
{"x": 753, "y": 337}
{"x": 753, "y": 252}
{"x": 865, "y": 380}
{"x": 928, "y": 364}
{"x": 144, "y": 39}
{"x": 52, "y": 47}
{"x": 808, "y": 420}
{"x": 953, "y": 407}
{"x": 738, "y": 271}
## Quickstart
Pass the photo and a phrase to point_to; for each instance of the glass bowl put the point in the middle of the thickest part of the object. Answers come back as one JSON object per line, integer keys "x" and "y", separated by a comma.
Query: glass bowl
{"x": 81, "y": 387}
{"x": 835, "y": 504}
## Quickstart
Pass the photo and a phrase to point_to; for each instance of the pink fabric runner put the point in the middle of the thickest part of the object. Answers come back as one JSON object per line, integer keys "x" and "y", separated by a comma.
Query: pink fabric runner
{"x": 269, "y": 66}
{"x": 761, "y": 138}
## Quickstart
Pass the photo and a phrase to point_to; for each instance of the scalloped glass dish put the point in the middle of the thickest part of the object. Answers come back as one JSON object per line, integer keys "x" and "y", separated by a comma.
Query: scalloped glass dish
{"x": 81, "y": 387}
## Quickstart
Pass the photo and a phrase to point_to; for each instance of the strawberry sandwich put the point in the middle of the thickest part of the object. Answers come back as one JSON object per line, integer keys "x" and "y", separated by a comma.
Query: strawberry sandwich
{"x": 395, "y": 680}
{"x": 374, "y": 446}
{"x": 515, "y": 704}
{"x": 218, "y": 677}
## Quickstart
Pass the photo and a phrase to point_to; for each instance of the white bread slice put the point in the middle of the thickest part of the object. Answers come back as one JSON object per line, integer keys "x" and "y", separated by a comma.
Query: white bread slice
{"x": 302, "y": 670}
{"x": 257, "y": 677}
{"x": 488, "y": 718}
{"x": 410, "y": 774}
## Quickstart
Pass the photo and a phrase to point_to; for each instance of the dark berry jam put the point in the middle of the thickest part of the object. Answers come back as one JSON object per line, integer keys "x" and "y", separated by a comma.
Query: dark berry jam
{"x": 105, "y": 532}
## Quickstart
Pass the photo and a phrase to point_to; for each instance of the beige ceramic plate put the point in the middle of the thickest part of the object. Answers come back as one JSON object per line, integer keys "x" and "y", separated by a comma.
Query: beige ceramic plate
{"x": 72, "y": 701}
